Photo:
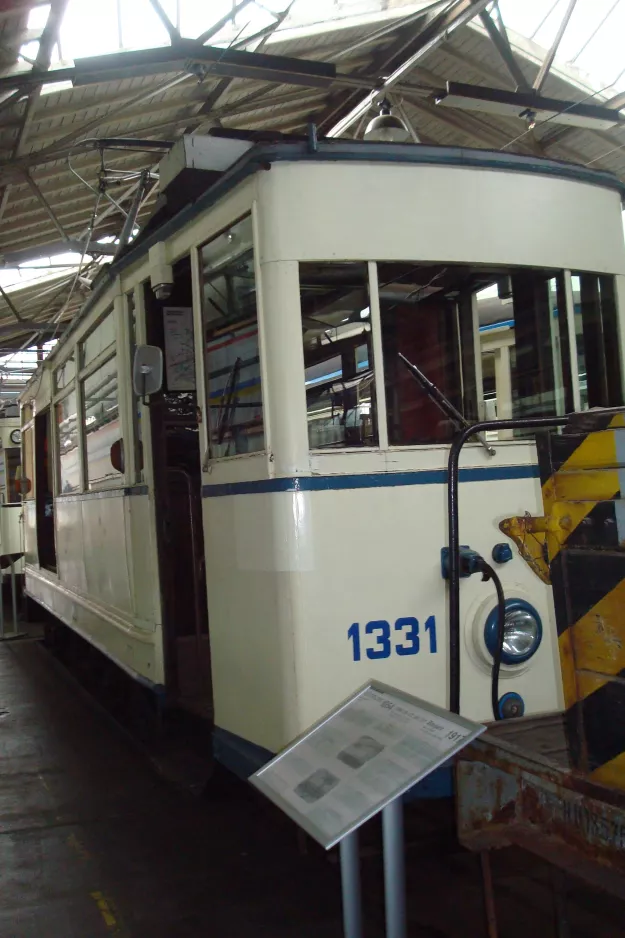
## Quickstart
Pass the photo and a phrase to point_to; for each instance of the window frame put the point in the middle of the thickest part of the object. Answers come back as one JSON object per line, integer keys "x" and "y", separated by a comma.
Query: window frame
{"x": 568, "y": 342}
{"x": 58, "y": 399}
{"x": 203, "y": 388}
{"x": 379, "y": 394}
{"x": 99, "y": 362}
{"x": 83, "y": 372}
{"x": 28, "y": 428}
{"x": 134, "y": 458}
{"x": 81, "y": 367}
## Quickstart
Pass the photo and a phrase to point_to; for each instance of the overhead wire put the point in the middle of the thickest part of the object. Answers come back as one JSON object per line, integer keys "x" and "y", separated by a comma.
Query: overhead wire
{"x": 602, "y": 23}
{"x": 621, "y": 146}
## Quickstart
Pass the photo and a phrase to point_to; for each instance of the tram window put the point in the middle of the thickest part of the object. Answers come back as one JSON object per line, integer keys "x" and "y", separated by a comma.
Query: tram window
{"x": 67, "y": 430}
{"x": 338, "y": 355}
{"x": 12, "y": 459}
{"x": 596, "y": 329}
{"x": 524, "y": 336}
{"x": 66, "y": 373}
{"x": 235, "y": 406}
{"x": 102, "y": 427}
{"x": 100, "y": 339}
{"x": 426, "y": 315}
{"x": 136, "y": 410}
{"x": 28, "y": 467}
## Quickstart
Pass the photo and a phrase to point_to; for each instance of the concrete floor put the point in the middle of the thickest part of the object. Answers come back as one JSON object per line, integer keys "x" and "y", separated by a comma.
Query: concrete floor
{"x": 93, "y": 842}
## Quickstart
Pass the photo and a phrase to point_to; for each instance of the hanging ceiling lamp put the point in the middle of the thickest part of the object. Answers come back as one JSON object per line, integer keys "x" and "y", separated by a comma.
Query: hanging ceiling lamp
{"x": 387, "y": 127}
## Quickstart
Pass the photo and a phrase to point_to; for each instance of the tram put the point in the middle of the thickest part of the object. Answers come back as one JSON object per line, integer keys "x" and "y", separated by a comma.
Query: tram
{"x": 262, "y": 534}
{"x": 11, "y": 529}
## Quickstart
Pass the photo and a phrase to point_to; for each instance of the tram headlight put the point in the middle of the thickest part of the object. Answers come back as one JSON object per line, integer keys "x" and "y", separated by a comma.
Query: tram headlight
{"x": 523, "y": 632}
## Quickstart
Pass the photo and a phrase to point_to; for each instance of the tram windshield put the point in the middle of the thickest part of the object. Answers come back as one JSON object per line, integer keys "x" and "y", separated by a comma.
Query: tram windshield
{"x": 494, "y": 340}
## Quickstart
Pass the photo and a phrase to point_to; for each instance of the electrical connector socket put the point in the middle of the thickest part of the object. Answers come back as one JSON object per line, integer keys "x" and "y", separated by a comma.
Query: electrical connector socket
{"x": 470, "y": 561}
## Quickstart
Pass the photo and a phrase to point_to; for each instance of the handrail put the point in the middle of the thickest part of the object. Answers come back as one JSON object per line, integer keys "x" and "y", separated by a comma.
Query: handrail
{"x": 528, "y": 423}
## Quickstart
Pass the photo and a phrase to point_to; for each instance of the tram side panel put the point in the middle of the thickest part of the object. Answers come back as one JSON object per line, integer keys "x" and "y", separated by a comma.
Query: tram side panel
{"x": 102, "y": 589}
{"x": 104, "y": 583}
{"x": 253, "y": 616}
{"x": 313, "y": 593}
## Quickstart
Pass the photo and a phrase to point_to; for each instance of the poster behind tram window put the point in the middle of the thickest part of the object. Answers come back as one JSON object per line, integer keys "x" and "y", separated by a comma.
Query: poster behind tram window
{"x": 234, "y": 391}
{"x": 179, "y": 348}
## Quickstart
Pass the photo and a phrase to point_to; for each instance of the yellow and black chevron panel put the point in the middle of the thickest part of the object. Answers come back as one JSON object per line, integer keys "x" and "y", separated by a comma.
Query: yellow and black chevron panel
{"x": 591, "y": 588}
{"x": 583, "y": 476}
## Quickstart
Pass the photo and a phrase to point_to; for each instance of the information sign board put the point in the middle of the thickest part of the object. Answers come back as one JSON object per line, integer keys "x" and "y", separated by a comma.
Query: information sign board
{"x": 179, "y": 348}
{"x": 364, "y": 754}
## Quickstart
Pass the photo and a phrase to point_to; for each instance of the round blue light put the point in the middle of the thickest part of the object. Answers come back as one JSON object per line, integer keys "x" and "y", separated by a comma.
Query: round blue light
{"x": 521, "y": 610}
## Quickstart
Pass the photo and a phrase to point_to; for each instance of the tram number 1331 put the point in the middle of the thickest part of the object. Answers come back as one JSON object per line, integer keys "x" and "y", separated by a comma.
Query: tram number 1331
{"x": 378, "y": 639}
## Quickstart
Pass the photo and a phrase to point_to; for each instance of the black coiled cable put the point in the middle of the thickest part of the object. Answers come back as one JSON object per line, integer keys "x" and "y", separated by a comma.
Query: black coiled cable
{"x": 489, "y": 574}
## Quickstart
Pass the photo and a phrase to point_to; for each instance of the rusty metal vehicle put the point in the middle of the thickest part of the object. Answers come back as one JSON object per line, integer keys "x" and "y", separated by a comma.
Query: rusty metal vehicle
{"x": 555, "y": 784}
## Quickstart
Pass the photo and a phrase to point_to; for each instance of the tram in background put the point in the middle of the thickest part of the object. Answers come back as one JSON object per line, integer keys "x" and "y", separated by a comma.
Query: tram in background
{"x": 263, "y": 533}
{"x": 11, "y": 527}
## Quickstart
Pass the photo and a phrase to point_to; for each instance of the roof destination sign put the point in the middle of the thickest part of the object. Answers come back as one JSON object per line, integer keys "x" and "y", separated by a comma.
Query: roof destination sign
{"x": 364, "y": 754}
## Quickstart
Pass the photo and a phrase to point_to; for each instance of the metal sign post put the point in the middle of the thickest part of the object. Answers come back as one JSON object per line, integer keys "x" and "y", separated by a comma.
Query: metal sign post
{"x": 394, "y": 869}
{"x": 15, "y": 633}
{"x": 350, "y": 886}
{"x": 358, "y": 761}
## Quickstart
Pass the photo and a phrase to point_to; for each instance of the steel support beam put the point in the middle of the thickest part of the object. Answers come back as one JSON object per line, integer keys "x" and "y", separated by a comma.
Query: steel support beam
{"x": 42, "y": 64}
{"x": 219, "y": 25}
{"x": 267, "y": 31}
{"x": 26, "y": 81}
{"x": 12, "y": 99}
{"x": 189, "y": 56}
{"x": 438, "y": 27}
{"x": 494, "y": 76}
{"x": 42, "y": 199}
{"x": 382, "y": 63}
{"x": 501, "y": 42}
{"x": 7, "y": 299}
{"x": 391, "y": 28}
{"x": 174, "y": 34}
{"x": 548, "y": 62}
{"x": 15, "y": 258}
{"x": 14, "y": 169}
{"x": 222, "y": 86}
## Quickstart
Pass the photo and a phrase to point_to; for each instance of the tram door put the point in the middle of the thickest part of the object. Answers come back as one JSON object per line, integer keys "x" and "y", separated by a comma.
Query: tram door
{"x": 178, "y": 489}
{"x": 44, "y": 500}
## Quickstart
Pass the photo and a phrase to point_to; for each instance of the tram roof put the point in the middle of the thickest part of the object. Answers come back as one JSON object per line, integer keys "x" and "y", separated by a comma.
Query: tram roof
{"x": 311, "y": 150}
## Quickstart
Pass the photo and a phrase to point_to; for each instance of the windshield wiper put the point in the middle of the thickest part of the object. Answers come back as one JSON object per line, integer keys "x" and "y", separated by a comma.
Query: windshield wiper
{"x": 443, "y": 403}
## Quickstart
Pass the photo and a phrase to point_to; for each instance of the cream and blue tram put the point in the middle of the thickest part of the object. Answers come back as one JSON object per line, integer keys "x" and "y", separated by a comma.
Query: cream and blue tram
{"x": 264, "y": 534}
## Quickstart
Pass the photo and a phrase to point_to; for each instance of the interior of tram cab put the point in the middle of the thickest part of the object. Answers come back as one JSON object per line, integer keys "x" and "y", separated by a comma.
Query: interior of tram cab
{"x": 494, "y": 340}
